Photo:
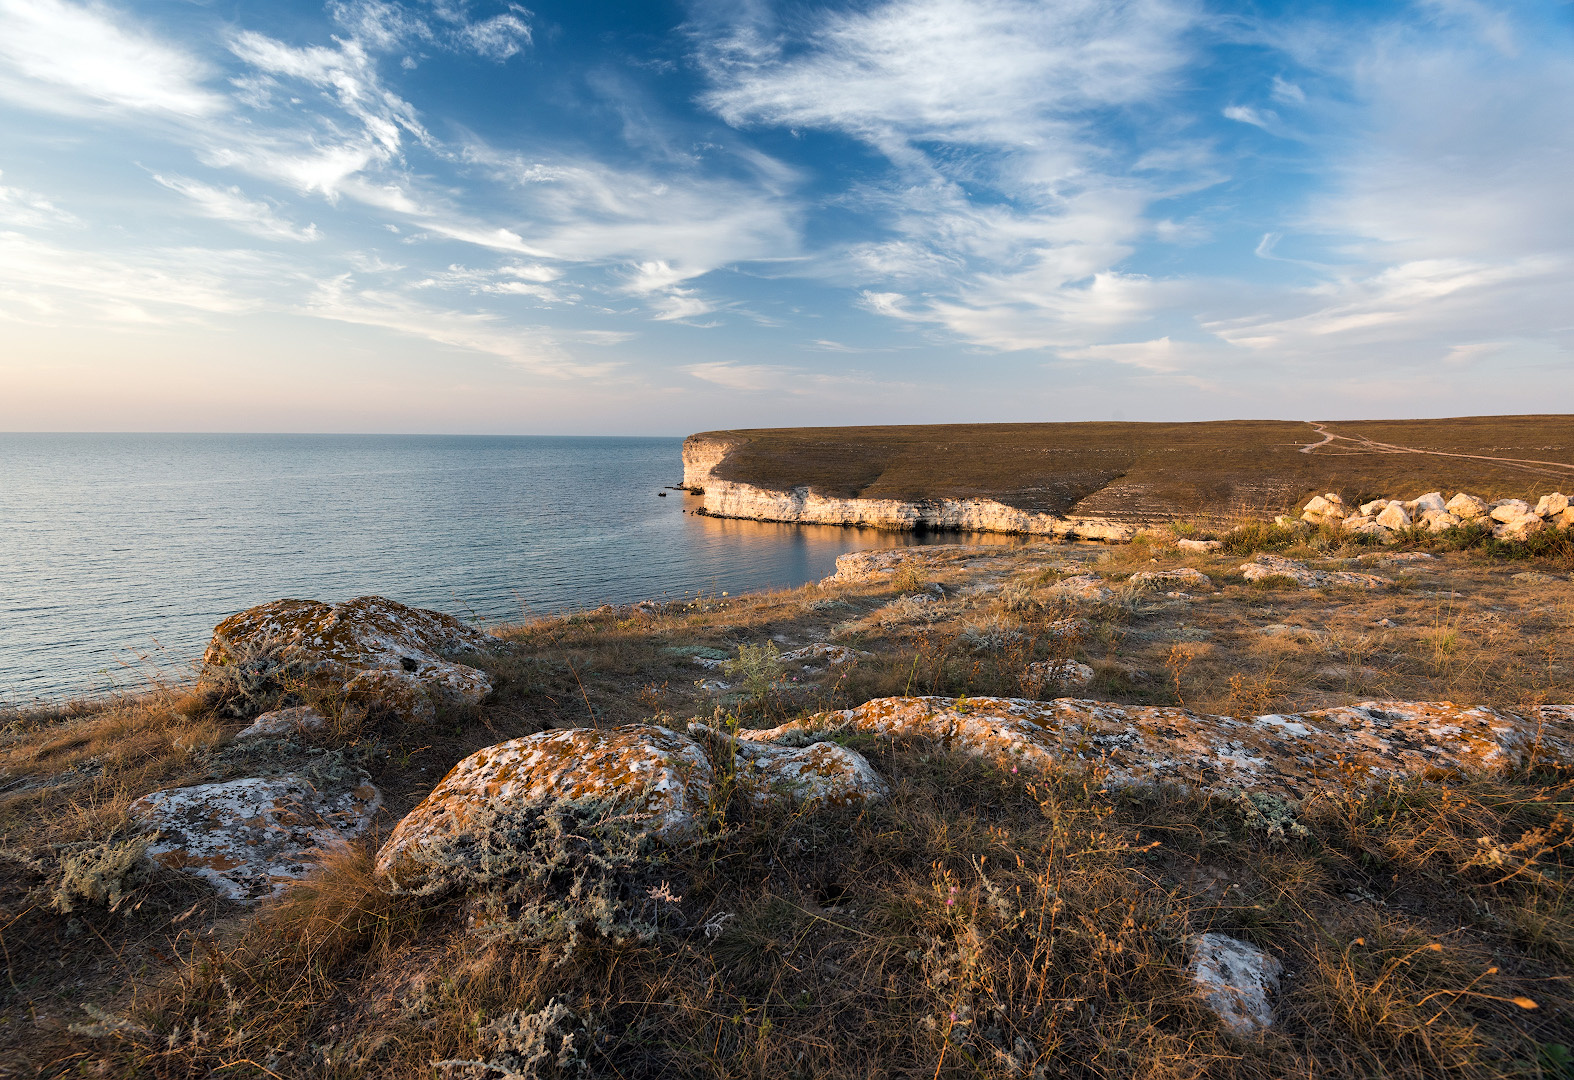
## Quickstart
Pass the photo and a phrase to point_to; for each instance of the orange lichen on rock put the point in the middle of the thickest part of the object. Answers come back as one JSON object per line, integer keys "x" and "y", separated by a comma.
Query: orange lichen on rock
{"x": 1295, "y": 755}
{"x": 250, "y": 838}
{"x": 660, "y": 777}
{"x": 821, "y": 773}
{"x": 370, "y": 648}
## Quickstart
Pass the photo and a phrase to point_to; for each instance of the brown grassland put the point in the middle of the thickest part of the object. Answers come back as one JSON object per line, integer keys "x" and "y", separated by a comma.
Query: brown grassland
{"x": 1159, "y": 471}
{"x": 976, "y": 924}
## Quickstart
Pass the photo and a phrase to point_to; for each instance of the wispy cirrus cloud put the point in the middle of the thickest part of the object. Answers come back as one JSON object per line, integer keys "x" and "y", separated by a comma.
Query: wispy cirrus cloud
{"x": 231, "y": 205}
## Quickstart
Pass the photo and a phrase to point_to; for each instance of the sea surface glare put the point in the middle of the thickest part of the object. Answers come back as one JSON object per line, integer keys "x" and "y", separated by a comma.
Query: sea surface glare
{"x": 119, "y": 553}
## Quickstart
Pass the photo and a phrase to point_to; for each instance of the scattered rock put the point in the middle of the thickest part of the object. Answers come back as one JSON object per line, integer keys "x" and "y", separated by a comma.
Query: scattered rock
{"x": 662, "y": 777}
{"x": 1060, "y": 674}
{"x": 1396, "y": 557}
{"x": 1323, "y": 507}
{"x": 1507, "y": 510}
{"x": 251, "y": 838}
{"x": 1180, "y": 577}
{"x": 1394, "y": 516}
{"x": 1269, "y": 566}
{"x": 834, "y": 655}
{"x": 1068, "y": 629}
{"x": 370, "y": 648}
{"x": 1199, "y": 545}
{"x": 1552, "y": 505}
{"x": 1465, "y": 506}
{"x": 1431, "y": 502}
{"x": 1089, "y": 588}
{"x": 1536, "y": 577}
{"x": 1298, "y": 632}
{"x": 1295, "y": 756}
{"x": 1519, "y": 528}
{"x": 283, "y": 722}
{"x": 1235, "y": 980}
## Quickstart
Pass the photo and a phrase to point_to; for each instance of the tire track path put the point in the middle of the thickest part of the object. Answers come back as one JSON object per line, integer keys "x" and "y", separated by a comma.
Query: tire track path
{"x": 1361, "y": 444}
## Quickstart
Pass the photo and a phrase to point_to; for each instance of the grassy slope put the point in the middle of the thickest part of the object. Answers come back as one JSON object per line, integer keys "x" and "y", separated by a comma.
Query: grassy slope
{"x": 977, "y": 924}
{"x": 1152, "y": 470}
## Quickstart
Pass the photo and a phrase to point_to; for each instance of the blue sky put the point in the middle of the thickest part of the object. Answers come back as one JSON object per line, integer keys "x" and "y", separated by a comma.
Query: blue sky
{"x": 665, "y": 217}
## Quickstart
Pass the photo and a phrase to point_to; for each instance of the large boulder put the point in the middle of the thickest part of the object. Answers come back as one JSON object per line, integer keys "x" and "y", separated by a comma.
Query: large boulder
{"x": 1507, "y": 510}
{"x": 1292, "y": 755}
{"x": 1266, "y": 566}
{"x": 250, "y": 838}
{"x": 1394, "y": 516}
{"x": 370, "y": 648}
{"x": 658, "y": 778}
{"x": 1550, "y": 506}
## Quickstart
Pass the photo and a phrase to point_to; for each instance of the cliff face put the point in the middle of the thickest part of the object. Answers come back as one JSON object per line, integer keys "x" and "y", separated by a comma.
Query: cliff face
{"x": 701, "y": 454}
{"x": 731, "y": 499}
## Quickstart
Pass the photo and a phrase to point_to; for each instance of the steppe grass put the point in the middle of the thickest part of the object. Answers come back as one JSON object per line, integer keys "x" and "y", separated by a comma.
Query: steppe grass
{"x": 978, "y": 923}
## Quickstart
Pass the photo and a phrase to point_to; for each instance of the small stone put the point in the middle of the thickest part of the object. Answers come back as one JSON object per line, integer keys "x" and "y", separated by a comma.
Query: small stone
{"x": 1432, "y": 500}
{"x": 1394, "y": 516}
{"x": 1236, "y": 981}
{"x": 1199, "y": 545}
{"x": 1059, "y": 674}
{"x": 250, "y": 838}
{"x": 283, "y": 722}
{"x": 1439, "y": 520}
{"x": 1373, "y": 508}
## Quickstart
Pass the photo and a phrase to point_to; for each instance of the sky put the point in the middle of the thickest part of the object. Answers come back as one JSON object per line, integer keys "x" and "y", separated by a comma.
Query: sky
{"x": 657, "y": 218}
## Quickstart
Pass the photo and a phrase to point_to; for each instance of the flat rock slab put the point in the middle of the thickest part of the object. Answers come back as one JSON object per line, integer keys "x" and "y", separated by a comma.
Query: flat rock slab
{"x": 1294, "y": 755}
{"x": 660, "y": 778}
{"x": 1235, "y": 980}
{"x": 1183, "y": 577}
{"x": 250, "y": 838}
{"x": 1270, "y": 566}
{"x": 370, "y": 647}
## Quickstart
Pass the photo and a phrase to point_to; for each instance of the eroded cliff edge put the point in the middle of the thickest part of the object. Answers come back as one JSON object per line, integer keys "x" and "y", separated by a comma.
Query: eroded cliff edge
{"x": 703, "y": 454}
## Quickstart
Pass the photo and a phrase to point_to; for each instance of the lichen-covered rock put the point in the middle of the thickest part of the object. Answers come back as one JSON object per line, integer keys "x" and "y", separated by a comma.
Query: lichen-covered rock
{"x": 1056, "y": 675}
{"x": 1235, "y": 980}
{"x": 822, "y": 651}
{"x": 661, "y": 777}
{"x": 251, "y": 838}
{"x": 282, "y": 722}
{"x": 1183, "y": 577}
{"x": 1295, "y": 756}
{"x": 373, "y": 649}
{"x": 820, "y": 773}
{"x": 1269, "y": 566}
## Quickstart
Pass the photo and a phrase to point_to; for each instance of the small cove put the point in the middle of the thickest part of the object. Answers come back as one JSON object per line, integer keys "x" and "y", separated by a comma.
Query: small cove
{"x": 120, "y": 552}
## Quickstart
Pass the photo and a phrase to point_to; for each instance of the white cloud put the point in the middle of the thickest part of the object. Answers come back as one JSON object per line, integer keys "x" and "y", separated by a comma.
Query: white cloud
{"x": 20, "y": 208}
{"x": 781, "y": 379}
{"x": 388, "y": 26}
{"x": 231, "y": 205}
{"x": 499, "y": 37}
{"x": 1008, "y": 234}
{"x": 77, "y": 57}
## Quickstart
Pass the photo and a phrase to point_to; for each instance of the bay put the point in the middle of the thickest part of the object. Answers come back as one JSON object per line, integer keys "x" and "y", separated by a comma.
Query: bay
{"x": 119, "y": 553}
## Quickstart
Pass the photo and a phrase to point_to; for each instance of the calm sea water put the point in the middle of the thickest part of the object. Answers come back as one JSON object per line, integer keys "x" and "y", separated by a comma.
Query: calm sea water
{"x": 119, "y": 553}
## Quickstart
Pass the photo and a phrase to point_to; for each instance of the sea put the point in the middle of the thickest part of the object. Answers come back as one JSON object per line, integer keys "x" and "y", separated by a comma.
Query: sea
{"x": 119, "y": 553}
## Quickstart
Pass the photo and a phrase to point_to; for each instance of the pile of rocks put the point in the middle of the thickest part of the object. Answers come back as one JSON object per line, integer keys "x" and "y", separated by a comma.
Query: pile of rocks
{"x": 1511, "y": 519}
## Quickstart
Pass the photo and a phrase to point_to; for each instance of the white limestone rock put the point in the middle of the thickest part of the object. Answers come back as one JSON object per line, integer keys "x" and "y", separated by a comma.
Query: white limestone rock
{"x": 1373, "y": 508}
{"x": 283, "y": 722}
{"x": 820, "y": 774}
{"x": 1550, "y": 506}
{"x": 1432, "y": 500}
{"x": 250, "y": 838}
{"x": 1394, "y": 516}
{"x": 1236, "y": 981}
{"x": 1466, "y": 507}
{"x": 822, "y": 651}
{"x": 1518, "y": 528}
{"x": 1200, "y": 546}
{"x": 1510, "y": 510}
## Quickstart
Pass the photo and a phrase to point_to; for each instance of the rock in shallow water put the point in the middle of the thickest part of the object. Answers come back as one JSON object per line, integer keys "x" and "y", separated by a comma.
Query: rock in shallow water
{"x": 251, "y": 838}
{"x": 370, "y": 648}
